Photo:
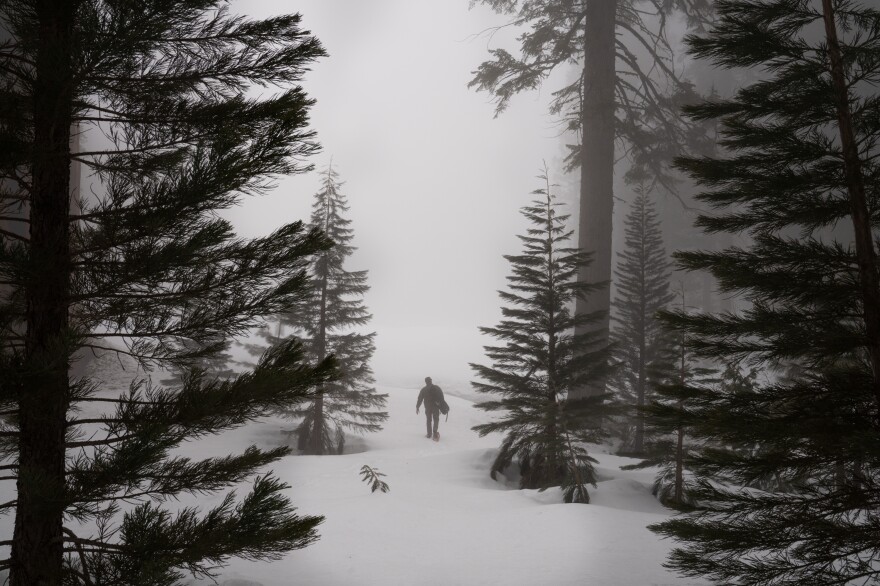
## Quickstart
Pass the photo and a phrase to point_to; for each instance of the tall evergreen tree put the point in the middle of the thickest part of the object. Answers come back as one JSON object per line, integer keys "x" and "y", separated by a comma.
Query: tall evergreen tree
{"x": 628, "y": 90}
{"x": 801, "y": 161}
{"x": 327, "y": 319}
{"x": 543, "y": 359}
{"x": 642, "y": 290}
{"x": 160, "y": 89}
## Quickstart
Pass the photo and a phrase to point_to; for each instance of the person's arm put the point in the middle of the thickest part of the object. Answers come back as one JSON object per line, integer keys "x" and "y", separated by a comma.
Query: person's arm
{"x": 421, "y": 398}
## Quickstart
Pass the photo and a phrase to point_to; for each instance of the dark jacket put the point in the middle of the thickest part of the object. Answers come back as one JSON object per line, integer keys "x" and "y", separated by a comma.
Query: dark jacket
{"x": 432, "y": 396}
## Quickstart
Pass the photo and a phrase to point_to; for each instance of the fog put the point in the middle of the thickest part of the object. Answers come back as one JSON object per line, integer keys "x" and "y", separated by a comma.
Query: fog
{"x": 434, "y": 181}
{"x": 729, "y": 439}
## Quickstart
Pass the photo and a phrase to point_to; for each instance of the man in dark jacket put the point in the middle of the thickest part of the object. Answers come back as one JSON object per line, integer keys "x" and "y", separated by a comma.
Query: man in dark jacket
{"x": 433, "y": 397}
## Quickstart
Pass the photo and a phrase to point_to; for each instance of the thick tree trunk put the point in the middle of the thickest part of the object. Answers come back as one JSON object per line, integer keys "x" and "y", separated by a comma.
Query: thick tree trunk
{"x": 37, "y": 546}
{"x": 597, "y": 165}
{"x": 865, "y": 254}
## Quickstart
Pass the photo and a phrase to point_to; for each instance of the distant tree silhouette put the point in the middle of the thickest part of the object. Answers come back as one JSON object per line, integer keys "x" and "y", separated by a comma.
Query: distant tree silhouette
{"x": 326, "y": 320}
{"x": 641, "y": 342}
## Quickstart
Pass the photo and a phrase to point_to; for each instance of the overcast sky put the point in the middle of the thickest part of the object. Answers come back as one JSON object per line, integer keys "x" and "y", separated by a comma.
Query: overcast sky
{"x": 434, "y": 181}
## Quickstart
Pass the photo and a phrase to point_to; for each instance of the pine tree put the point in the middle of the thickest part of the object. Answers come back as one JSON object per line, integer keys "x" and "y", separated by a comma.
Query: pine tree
{"x": 144, "y": 267}
{"x": 327, "y": 319}
{"x": 676, "y": 378}
{"x": 628, "y": 90}
{"x": 799, "y": 171}
{"x": 219, "y": 363}
{"x": 671, "y": 452}
{"x": 642, "y": 290}
{"x": 542, "y": 360}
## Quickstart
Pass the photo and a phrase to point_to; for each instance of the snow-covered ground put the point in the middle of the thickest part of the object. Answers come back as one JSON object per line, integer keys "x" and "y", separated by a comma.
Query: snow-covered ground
{"x": 445, "y": 522}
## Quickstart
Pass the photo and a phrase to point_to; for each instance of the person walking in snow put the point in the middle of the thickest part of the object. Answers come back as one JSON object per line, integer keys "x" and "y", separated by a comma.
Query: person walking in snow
{"x": 432, "y": 395}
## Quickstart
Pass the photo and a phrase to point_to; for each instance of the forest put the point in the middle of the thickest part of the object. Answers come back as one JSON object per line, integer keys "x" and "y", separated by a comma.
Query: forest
{"x": 620, "y": 255}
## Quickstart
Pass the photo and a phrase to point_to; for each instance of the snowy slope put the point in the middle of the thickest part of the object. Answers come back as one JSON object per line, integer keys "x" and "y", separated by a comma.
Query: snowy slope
{"x": 446, "y": 522}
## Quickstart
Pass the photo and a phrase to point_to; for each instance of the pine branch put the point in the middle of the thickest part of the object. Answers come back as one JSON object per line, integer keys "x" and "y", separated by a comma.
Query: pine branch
{"x": 373, "y": 477}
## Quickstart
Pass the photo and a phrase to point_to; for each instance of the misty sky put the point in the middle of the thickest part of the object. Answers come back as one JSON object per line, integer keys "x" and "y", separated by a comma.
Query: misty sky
{"x": 434, "y": 182}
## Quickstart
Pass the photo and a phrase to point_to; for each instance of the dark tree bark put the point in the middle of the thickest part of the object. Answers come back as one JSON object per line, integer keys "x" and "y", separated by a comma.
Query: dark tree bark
{"x": 641, "y": 391}
{"x": 865, "y": 254}
{"x": 316, "y": 441}
{"x": 678, "y": 492}
{"x": 597, "y": 165}
{"x": 37, "y": 543}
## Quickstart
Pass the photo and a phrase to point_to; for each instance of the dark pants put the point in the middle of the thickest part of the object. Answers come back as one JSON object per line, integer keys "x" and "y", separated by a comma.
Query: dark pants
{"x": 435, "y": 415}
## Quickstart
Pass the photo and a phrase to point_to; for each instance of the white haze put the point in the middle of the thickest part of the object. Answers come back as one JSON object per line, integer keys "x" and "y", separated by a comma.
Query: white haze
{"x": 434, "y": 181}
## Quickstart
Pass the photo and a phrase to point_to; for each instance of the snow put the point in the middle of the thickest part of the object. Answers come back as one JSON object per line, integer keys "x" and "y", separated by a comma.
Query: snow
{"x": 445, "y": 521}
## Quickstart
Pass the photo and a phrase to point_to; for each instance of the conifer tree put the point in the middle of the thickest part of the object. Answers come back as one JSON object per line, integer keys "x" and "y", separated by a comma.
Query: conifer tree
{"x": 642, "y": 290}
{"x": 326, "y": 320}
{"x": 800, "y": 163}
{"x": 676, "y": 378}
{"x": 542, "y": 360}
{"x": 671, "y": 451}
{"x": 628, "y": 90}
{"x": 145, "y": 267}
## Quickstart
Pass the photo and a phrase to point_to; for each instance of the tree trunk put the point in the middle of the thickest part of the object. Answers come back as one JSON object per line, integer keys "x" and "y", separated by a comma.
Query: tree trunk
{"x": 316, "y": 438}
{"x": 865, "y": 254}
{"x": 679, "y": 467}
{"x": 554, "y": 469}
{"x": 316, "y": 445}
{"x": 639, "y": 444}
{"x": 678, "y": 494}
{"x": 37, "y": 546}
{"x": 597, "y": 166}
